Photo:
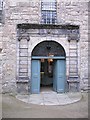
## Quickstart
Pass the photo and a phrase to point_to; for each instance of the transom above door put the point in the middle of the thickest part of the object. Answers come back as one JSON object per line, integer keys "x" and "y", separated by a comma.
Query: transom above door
{"x": 48, "y": 49}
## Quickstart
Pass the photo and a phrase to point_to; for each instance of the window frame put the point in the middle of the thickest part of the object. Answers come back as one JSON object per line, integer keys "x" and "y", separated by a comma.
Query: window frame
{"x": 49, "y": 15}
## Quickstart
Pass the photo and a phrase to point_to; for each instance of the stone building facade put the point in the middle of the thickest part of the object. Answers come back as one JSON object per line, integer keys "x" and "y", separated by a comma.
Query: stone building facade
{"x": 22, "y": 29}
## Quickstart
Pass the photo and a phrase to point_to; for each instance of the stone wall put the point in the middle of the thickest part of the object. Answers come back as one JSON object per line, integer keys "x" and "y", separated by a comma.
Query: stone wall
{"x": 77, "y": 13}
{"x": 89, "y": 45}
{"x": 18, "y": 12}
{"x": 0, "y": 58}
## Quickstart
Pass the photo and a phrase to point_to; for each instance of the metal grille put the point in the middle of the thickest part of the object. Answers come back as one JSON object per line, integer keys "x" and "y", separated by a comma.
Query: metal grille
{"x": 48, "y": 12}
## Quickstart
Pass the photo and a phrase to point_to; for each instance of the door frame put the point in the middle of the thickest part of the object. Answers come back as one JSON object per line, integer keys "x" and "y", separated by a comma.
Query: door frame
{"x": 49, "y": 57}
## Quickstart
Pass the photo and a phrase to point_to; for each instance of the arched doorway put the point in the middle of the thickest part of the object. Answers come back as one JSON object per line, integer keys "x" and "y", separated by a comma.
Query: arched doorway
{"x": 48, "y": 67}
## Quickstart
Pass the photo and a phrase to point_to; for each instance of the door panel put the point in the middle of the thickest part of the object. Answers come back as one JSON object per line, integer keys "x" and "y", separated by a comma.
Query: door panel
{"x": 59, "y": 76}
{"x": 35, "y": 82}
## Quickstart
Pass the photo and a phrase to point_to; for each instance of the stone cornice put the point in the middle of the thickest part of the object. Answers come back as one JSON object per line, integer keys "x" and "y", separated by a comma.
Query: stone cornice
{"x": 47, "y": 26}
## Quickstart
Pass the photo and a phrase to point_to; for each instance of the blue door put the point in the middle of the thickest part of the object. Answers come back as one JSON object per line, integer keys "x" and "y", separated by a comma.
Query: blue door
{"x": 61, "y": 73}
{"x": 35, "y": 81}
{"x": 59, "y": 76}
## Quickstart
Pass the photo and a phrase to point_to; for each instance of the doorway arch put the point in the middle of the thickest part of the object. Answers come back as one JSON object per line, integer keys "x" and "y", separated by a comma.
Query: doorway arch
{"x": 45, "y": 47}
{"x": 48, "y": 66}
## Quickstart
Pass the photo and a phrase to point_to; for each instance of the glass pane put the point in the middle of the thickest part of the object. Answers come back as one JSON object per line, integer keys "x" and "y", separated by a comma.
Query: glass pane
{"x": 48, "y": 20}
{"x": 49, "y": 16}
{"x": 49, "y": 11}
{"x": 48, "y": 6}
{"x": 53, "y": 20}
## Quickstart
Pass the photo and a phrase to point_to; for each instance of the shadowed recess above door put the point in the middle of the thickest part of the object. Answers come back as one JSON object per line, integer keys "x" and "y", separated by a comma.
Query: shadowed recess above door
{"x": 47, "y": 48}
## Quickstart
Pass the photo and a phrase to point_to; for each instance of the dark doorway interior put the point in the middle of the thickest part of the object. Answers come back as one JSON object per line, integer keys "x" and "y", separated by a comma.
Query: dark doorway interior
{"x": 46, "y": 73}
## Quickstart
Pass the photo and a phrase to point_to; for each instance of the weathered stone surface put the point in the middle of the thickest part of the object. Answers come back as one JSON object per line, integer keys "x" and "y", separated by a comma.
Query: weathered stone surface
{"x": 26, "y": 11}
{"x": 9, "y": 87}
{"x": 22, "y": 88}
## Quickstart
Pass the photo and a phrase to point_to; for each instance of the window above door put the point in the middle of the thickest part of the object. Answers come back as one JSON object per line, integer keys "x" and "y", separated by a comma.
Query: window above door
{"x": 48, "y": 11}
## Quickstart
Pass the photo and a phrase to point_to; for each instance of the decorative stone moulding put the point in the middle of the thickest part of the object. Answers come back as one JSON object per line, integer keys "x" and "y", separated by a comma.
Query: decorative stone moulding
{"x": 24, "y": 37}
{"x": 19, "y": 38}
{"x": 72, "y": 31}
{"x": 73, "y": 35}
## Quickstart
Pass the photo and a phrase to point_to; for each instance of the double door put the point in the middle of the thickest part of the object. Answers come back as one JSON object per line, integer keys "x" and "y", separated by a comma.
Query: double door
{"x": 59, "y": 79}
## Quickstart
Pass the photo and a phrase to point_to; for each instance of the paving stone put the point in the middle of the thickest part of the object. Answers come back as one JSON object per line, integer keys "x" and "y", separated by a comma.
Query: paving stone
{"x": 50, "y": 98}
